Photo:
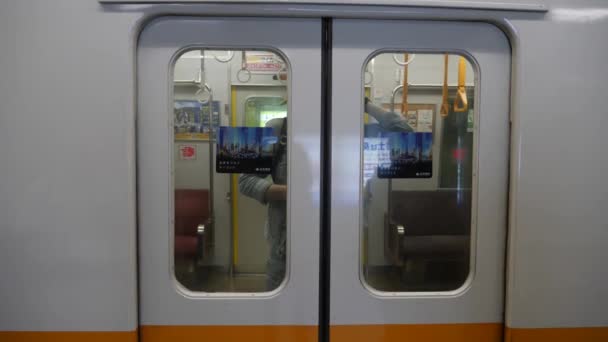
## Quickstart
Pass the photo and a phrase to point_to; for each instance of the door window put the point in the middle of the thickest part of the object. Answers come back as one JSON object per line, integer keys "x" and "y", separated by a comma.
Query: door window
{"x": 259, "y": 110}
{"x": 417, "y": 171}
{"x": 229, "y": 170}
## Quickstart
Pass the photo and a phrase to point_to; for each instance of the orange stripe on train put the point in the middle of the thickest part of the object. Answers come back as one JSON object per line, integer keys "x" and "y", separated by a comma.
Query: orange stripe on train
{"x": 252, "y": 333}
{"x": 557, "y": 335}
{"x": 490, "y": 332}
{"x": 68, "y": 336}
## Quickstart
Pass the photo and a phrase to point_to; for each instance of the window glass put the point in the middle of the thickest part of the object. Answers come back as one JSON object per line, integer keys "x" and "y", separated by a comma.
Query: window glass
{"x": 417, "y": 172}
{"x": 261, "y": 109}
{"x": 230, "y": 170}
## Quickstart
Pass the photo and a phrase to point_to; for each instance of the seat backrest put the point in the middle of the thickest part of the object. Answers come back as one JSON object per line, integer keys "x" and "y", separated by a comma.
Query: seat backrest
{"x": 441, "y": 212}
{"x": 191, "y": 209}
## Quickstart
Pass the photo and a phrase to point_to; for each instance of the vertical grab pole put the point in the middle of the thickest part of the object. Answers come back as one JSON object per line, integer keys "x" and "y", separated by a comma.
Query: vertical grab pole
{"x": 445, "y": 106}
{"x": 234, "y": 189}
{"x": 211, "y": 161}
{"x": 204, "y": 86}
{"x": 404, "y": 90}
{"x": 404, "y": 113}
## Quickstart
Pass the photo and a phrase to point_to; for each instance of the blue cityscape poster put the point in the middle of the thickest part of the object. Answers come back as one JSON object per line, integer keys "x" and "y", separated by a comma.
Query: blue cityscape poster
{"x": 245, "y": 150}
{"x": 398, "y": 155}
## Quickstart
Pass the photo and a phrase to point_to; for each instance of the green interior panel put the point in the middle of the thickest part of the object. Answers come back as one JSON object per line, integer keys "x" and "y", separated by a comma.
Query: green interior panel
{"x": 259, "y": 110}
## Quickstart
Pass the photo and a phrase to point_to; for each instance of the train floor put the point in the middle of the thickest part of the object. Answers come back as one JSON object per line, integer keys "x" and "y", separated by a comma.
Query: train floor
{"x": 213, "y": 279}
{"x": 439, "y": 277}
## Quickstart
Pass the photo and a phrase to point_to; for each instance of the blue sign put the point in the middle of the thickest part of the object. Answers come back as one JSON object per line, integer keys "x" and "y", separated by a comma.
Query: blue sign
{"x": 245, "y": 150}
{"x": 398, "y": 155}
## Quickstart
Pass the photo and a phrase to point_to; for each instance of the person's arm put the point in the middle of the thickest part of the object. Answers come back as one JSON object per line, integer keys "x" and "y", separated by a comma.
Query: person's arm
{"x": 260, "y": 189}
{"x": 276, "y": 192}
{"x": 258, "y": 186}
{"x": 389, "y": 121}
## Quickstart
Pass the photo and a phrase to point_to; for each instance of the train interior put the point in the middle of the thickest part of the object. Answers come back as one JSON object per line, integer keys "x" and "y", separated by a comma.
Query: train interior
{"x": 415, "y": 229}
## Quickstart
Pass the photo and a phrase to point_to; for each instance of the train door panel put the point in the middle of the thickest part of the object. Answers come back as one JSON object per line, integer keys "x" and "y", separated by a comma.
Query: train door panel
{"x": 421, "y": 253}
{"x": 216, "y": 96}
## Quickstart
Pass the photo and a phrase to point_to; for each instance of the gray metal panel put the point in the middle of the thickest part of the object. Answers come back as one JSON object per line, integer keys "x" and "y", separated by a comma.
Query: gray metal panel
{"x": 481, "y": 300}
{"x": 526, "y": 6}
{"x": 67, "y": 175}
{"x": 162, "y": 302}
{"x": 559, "y": 225}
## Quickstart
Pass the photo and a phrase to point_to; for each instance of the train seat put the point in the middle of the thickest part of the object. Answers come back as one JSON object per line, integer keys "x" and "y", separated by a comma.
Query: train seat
{"x": 191, "y": 212}
{"x": 428, "y": 224}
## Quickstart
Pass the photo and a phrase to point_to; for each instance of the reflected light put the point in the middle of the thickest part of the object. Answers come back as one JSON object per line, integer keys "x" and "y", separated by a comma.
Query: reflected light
{"x": 458, "y": 154}
{"x": 580, "y": 15}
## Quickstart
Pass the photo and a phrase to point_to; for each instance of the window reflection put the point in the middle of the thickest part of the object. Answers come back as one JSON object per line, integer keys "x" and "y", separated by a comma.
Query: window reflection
{"x": 417, "y": 172}
{"x": 229, "y": 230}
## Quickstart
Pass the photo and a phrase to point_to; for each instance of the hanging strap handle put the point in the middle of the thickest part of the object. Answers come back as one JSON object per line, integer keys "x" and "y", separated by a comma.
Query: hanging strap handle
{"x": 404, "y": 105}
{"x": 445, "y": 105}
{"x": 460, "y": 103}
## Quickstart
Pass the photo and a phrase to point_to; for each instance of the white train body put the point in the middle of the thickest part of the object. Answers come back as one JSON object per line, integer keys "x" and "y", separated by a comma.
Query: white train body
{"x": 85, "y": 174}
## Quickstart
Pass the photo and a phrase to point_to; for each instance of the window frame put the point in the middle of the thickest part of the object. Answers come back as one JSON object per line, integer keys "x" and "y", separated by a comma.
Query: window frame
{"x": 469, "y": 280}
{"x": 177, "y": 285}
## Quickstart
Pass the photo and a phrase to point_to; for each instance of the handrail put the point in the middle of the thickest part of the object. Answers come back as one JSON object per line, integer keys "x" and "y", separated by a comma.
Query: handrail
{"x": 404, "y": 91}
{"x": 229, "y": 57}
{"x": 197, "y": 80}
{"x": 395, "y": 90}
{"x": 406, "y": 60}
{"x": 201, "y": 90}
{"x": 421, "y": 86}
{"x": 243, "y": 70}
{"x": 445, "y": 105}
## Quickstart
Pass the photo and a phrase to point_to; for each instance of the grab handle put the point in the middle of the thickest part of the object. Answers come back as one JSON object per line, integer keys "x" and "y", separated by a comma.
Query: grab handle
{"x": 460, "y": 103}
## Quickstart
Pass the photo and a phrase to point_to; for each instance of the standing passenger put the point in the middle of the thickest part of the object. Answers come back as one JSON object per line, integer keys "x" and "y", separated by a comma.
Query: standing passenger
{"x": 274, "y": 192}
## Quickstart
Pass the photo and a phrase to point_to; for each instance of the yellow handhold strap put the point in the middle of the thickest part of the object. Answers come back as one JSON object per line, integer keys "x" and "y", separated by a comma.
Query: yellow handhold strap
{"x": 404, "y": 89}
{"x": 445, "y": 105}
{"x": 460, "y": 103}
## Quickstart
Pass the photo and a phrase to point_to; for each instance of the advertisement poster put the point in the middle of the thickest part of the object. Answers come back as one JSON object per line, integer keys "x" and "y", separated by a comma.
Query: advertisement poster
{"x": 419, "y": 116}
{"x": 260, "y": 61}
{"x": 398, "y": 155}
{"x": 187, "y": 151}
{"x": 245, "y": 150}
{"x": 425, "y": 121}
{"x": 191, "y": 119}
{"x": 375, "y": 152}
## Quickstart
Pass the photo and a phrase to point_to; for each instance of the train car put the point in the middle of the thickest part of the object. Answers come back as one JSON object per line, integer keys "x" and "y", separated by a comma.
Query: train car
{"x": 303, "y": 170}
